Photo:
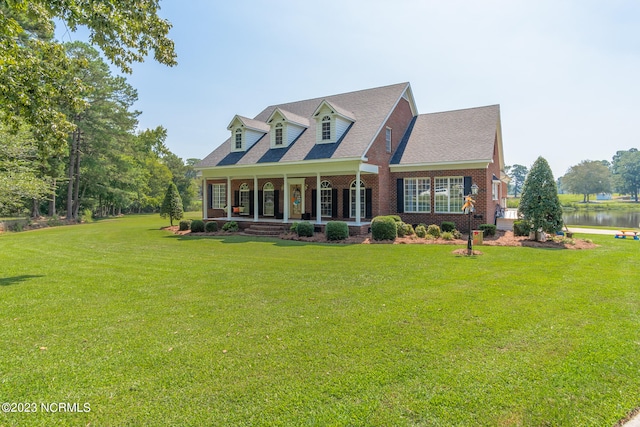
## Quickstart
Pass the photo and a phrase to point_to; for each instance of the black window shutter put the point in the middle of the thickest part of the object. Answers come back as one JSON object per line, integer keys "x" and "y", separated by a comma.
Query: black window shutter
{"x": 251, "y": 202}
{"x": 400, "y": 195}
{"x": 467, "y": 185}
{"x": 260, "y": 202}
{"x": 236, "y": 198}
{"x": 368, "y": 208}
{"x": 210, "y": 196}
{"x": 276, "y": 202}
{"x": 314, "y": 205}
{"x": 334, "y": 203}
{"x": 346, "y": 209}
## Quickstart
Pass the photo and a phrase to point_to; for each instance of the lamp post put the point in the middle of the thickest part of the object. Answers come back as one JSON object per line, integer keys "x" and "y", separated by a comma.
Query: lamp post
{"x": 469, "y": 208}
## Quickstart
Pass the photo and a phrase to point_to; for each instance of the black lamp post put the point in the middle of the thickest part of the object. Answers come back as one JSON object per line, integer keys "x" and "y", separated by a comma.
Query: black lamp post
{"x": 469, "y": 208}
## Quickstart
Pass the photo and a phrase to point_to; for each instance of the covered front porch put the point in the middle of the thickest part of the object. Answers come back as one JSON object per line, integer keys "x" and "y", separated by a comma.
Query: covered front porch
{"x": 318, "y": 192}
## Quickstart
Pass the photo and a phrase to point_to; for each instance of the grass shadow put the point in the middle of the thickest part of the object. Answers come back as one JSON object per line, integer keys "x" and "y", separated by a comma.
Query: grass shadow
{"x": 234, "y": 239}
{"x": 15, "y": 280}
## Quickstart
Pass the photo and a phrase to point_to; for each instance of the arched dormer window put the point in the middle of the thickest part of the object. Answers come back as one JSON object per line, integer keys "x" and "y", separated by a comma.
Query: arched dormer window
{"x": 326, "y": 128}
{"x": 238, "y": 139}
{"x": 279, "y": 134}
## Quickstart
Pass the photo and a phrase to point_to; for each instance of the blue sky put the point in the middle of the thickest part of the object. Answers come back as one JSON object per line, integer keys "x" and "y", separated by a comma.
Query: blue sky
{"x": 565, "y": 73}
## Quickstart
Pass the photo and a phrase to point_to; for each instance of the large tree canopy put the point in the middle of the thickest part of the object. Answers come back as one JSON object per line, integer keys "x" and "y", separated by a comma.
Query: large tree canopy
{"x": 539, "y": 203}
{"x": 518, "y": 173}
{"x": 626, "y": 172}
{"x": 588, "y": 177}
{"x": 35, "y": 77}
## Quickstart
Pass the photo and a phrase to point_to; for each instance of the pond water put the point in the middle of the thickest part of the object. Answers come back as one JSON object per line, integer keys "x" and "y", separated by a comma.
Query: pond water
{"x": 622, "y": 219}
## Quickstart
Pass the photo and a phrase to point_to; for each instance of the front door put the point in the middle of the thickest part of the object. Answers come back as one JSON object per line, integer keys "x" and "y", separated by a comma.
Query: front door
{"x": 296, "y": 200}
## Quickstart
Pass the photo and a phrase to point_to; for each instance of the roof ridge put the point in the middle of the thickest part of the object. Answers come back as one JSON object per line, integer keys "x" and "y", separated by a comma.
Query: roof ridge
{"x": 460, "y": 109}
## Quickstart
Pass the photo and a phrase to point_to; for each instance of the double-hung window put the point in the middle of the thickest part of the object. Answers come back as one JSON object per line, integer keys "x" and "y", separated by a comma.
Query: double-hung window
{"x": 279, "y": 134}
{"x": 448, "y": 194}
{"x": 417, "y": 195}
{"x": 326, "y": 202}
{"x": 218, "y": 196}
{"x": 326, "y": 128}
{"x": 238, "y": 139}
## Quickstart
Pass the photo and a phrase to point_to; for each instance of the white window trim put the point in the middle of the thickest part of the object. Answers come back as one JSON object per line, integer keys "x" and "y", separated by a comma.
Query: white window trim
{"x": 452, "y": 192}
{"x": 417, "y": 195}
{"x": 218, "y": 196}
{"x": 239, "y": 132}
{"x": 326, "y": 199}
{"x": 388, "y": 140}
{"x": 352, "y": 199}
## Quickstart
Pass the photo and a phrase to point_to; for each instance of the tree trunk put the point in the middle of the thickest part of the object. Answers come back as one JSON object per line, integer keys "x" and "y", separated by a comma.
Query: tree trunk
{"x": 72, "y": 161}
{"x": 52, "y": 202}
{"x": 35, "y": 209}
{"x": 76, "y": 203}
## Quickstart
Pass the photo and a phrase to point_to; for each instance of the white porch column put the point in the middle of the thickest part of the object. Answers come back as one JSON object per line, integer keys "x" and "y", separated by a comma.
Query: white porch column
{"x": 205, "y": 200}
{"x": 318, "y": 200}
{"x": 285, "y": 214}
{"x": 255, "y": 199}
{"x": 358, "y": 199}
{"x": 229, "y": 198}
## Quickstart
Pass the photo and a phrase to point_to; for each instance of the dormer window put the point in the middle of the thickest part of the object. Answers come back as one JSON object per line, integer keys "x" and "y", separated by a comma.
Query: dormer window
{"x": 278, "y": 134}
{"x": 326, "y": 128}
{"x": 238, "y": 139}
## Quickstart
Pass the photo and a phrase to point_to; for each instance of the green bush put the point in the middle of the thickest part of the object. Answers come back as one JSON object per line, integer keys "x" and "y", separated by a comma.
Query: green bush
{"x": 407, "y": 229}
{"x": 448, "y": 226}
{"x": 185, "y": 224}
{"x": 421, "y": 231}
{"x": 197, "y": 226}
{"x": 87, "y": 215}
{"x": 396, "y": 218}
{"x": 383, "y": 228}
{"x": 337, "y": 230}
{"x": 211, "y": 227}
{"x": 400, "y": 229}
{"x": 294, "y": 227}
{"x": 456, "y": 234}
{"x": 304, "y": 229}
{"x": 488, "y": 229}
{"x": 433, "y": 230}
{"x": 521, "y": 228}
{"x": 230, "y": 226}
{"x": 447, "y": 235}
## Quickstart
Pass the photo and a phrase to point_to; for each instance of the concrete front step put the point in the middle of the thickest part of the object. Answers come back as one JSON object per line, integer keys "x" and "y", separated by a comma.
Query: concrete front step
{"x": 264, "y": 230}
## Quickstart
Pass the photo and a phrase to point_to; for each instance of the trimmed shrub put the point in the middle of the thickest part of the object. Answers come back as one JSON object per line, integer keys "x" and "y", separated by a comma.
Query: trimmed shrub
{"x": 433, "y": 230}
{"x": 521, "y": 228}
{"x": 185, "y": 224}
{"x": 447, "y": 235}
{"x": 421, "y": 231}
{"x": 337, "y": 230}
{"x": 407, "y": 229}
{"x": 383, "y": 228}
{"x": 488, "y": 229}
{"x": 197, "y": 226}
{"x": 400, "y": 229}
{"x": 396, "y": 218}
{"x": 230, "y": 226}
{"x": 211, "y": 227}
{"x": 304, "y": 229}
{"x": 294, "y": 227}
{"x": 456, "y": 234}
{"x": 448, "y": 226}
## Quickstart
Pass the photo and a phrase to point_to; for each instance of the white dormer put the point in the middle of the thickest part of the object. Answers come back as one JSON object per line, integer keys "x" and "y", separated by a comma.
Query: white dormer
{"x": 331, "y": 122}
{"x": 245, "y": 132}
{"x": 286, "y": 127}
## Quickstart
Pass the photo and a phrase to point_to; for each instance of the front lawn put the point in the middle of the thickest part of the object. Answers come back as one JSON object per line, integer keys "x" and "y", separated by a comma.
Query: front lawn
{"x": 149, "y": 328}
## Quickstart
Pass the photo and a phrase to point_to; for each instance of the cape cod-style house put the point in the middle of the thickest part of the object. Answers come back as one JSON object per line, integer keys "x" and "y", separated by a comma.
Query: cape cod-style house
{"x": 354, "y": 156}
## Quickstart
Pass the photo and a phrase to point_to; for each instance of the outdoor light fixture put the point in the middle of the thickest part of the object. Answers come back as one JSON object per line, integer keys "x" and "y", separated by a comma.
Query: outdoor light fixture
{"x": 469, "y": 208}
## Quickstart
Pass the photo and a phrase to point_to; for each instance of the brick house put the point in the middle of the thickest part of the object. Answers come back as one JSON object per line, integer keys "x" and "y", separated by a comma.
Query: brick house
{"x": 354, "y": 156}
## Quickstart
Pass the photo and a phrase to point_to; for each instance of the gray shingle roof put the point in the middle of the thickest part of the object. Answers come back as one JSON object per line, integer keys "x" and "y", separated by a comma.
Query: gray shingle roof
{"x": 451, "y": 136}
{"x": 370, "y": 107}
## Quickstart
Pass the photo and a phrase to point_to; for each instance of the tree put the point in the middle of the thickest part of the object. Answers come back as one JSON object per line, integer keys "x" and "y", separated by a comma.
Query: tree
{"x": 588, "y": 177}
{"x": 626, "y": 172}
{"x": 539, "y": 202}
{"x": 181, "y": 178}
{"x": 172, "y": 205}
{"x": 20, "y": 179}
{"x": 35, "y": 79}
{"x": 518, "y": 173}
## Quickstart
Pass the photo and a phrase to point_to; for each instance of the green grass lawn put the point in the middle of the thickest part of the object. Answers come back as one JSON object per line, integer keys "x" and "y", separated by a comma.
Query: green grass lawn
{"x": 153, "y": 329}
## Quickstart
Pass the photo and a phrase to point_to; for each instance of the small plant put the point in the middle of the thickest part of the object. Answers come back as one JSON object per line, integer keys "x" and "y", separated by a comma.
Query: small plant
{"x": 434, "y": 230}
{"x": 87, "y": 215}
{"x": 211, "y": 227}
{"x": 400, "y": 229}
{"x": 448, "y": 226}
{"x": 430, "y": 237}
{"x": 447, "y": 235}
{"x": 54, "y": 221}
{"x": 294, "y": 227}
{"x": 488, "y": 229}
{"x": 457, "y": 234}
{"x": 521, "y": 228}
{"x": 383, "y": 228}
{"x": 197, "y": 226}
{"x": 185, "y": 224}
{"x": 408, "y": 229}
{"x": 305, "y": 229}
{"x": 230, "y": 226}
{"x": 421, "y": 231}
{"x": 337, "y": 230}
